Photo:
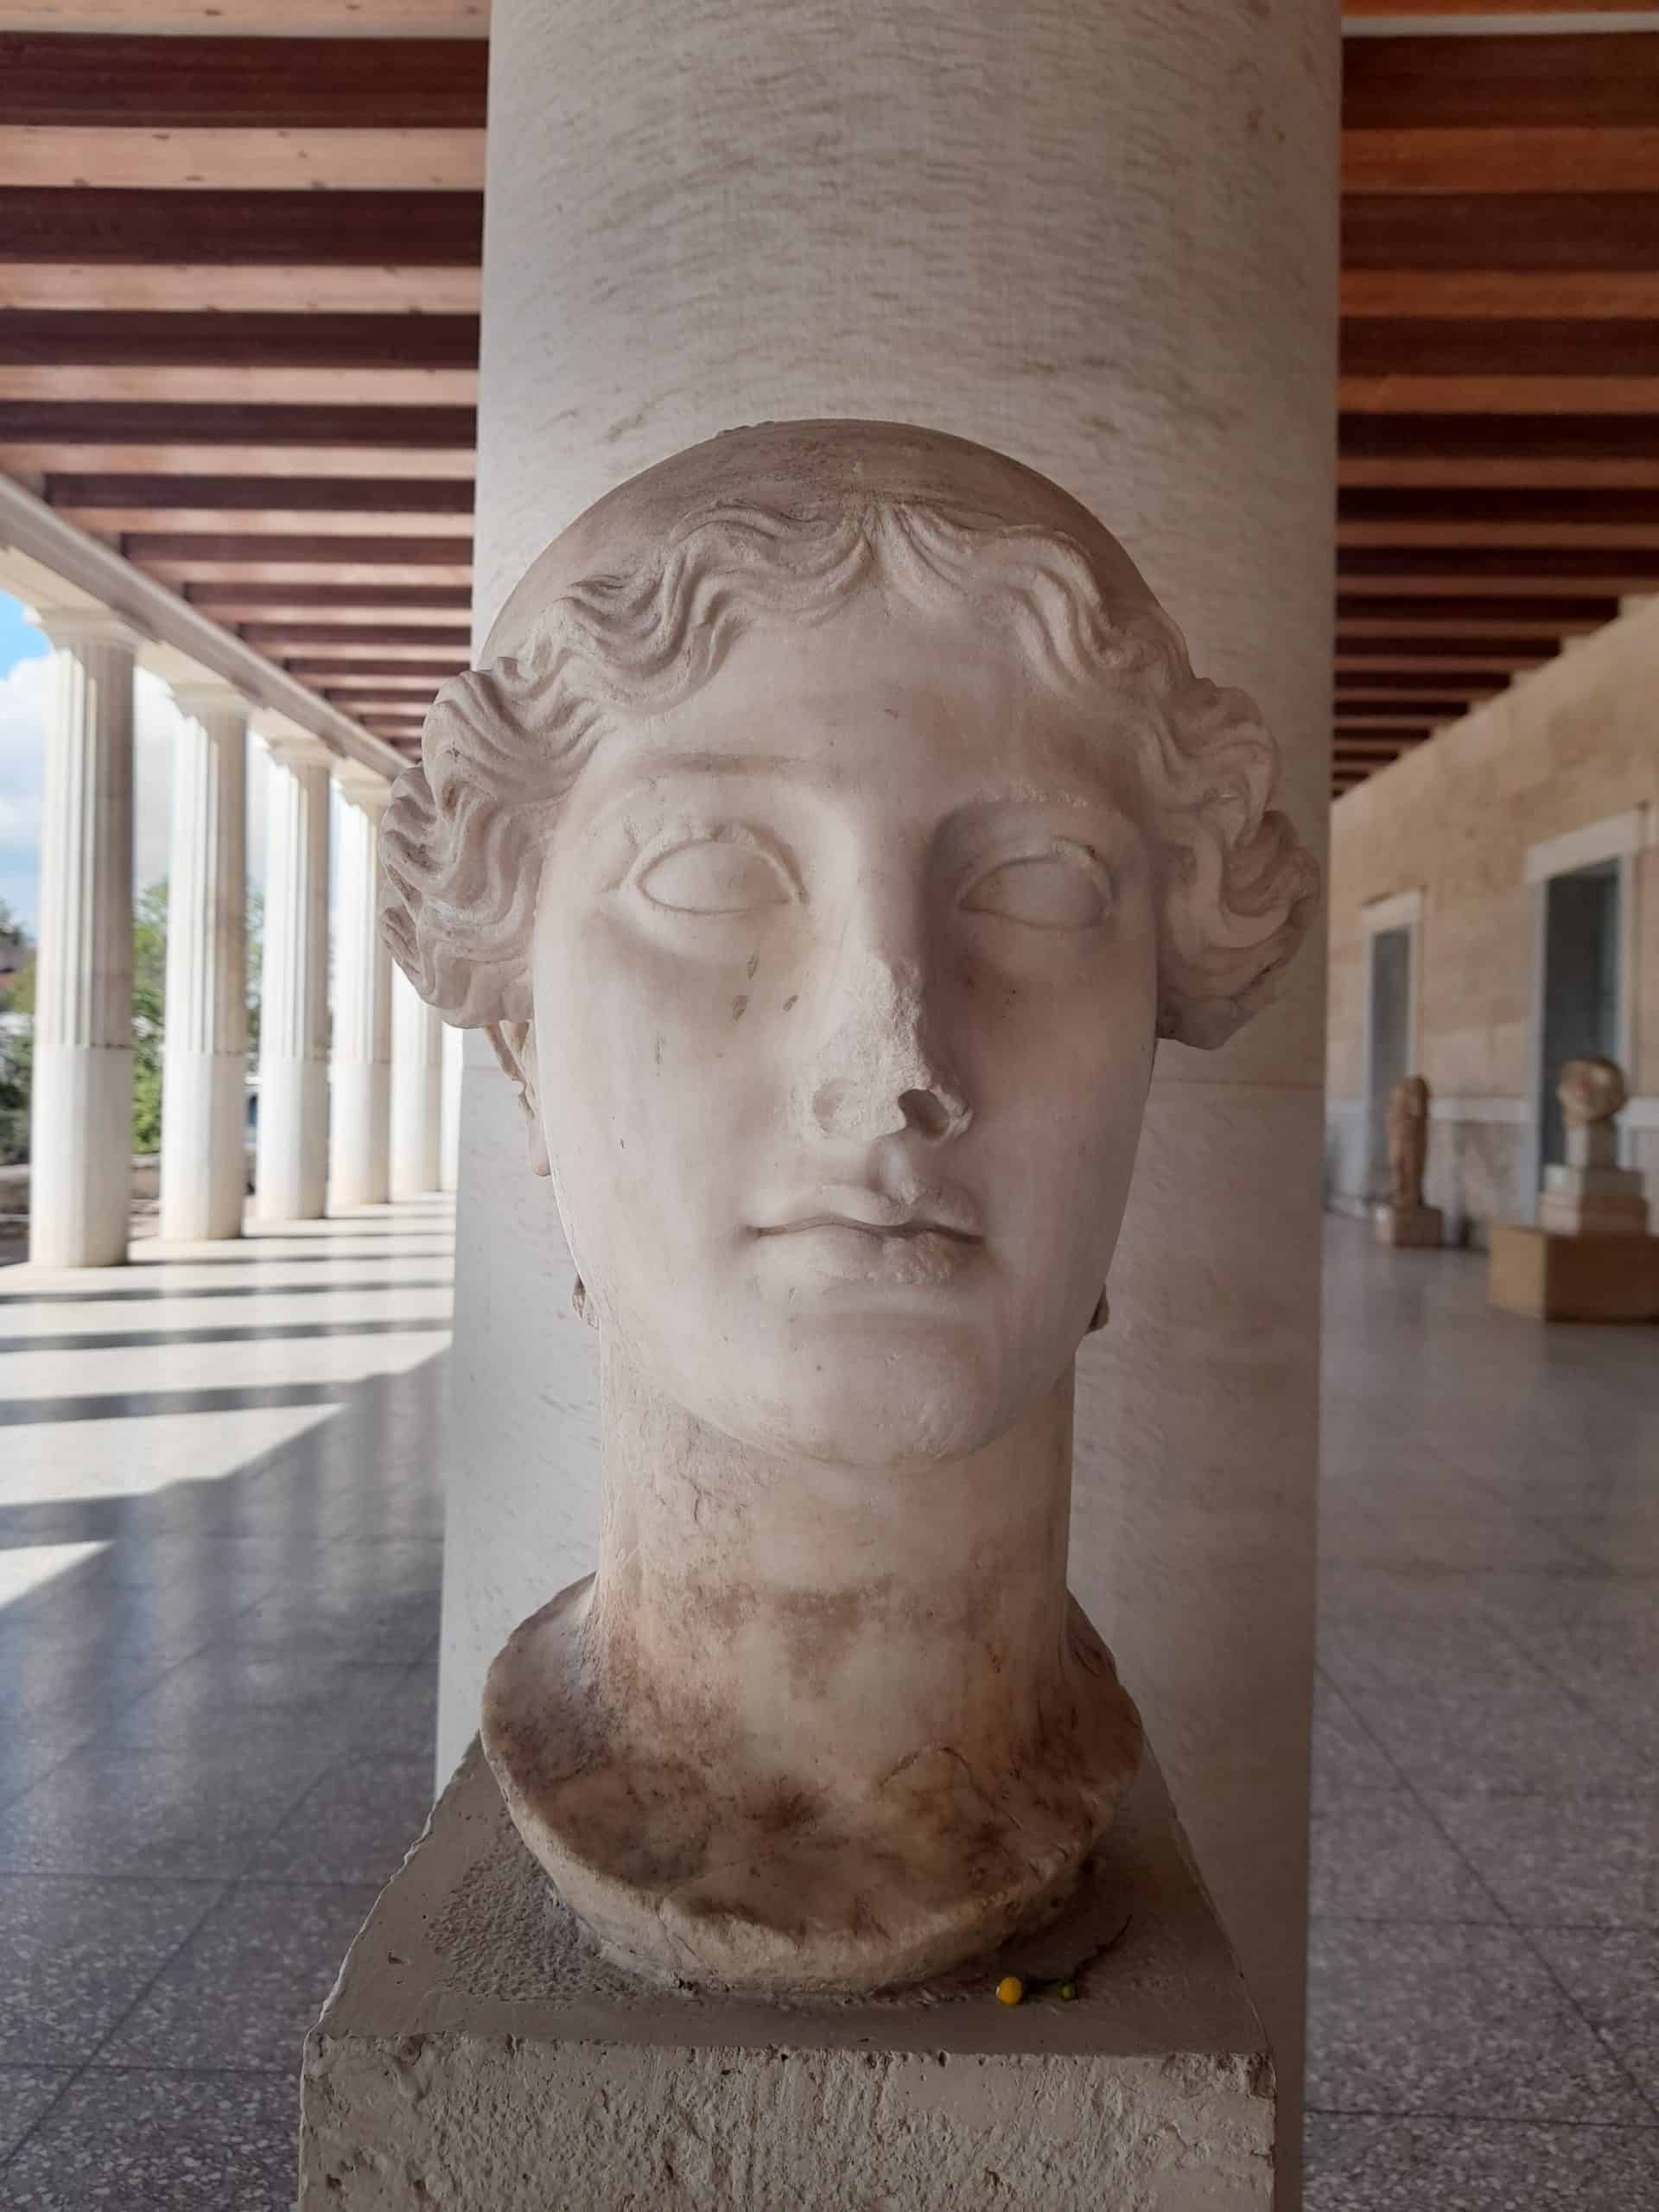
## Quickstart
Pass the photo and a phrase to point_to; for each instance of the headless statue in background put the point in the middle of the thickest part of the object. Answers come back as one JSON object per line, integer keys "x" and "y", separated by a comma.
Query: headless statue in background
{"x": 1406, "y": 1220}
{"x": 834, "y": 827}
{"x": 1591, "y": 1194}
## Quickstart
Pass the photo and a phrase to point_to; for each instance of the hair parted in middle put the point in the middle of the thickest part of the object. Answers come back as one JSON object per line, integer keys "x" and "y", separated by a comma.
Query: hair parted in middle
{"x": 463, "y": 836}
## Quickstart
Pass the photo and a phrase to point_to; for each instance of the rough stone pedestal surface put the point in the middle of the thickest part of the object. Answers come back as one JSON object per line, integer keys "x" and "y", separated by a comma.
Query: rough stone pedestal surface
{"x": 479, "y": 2056}
{"x": 1414, "y": 1228}
{"x": 1588, "y": 1278}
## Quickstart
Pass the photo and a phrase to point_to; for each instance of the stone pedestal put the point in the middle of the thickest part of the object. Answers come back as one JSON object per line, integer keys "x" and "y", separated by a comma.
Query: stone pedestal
{"x": 1409, "y": 1228}
{"x": 1594, "y": 1201}
{"x": 478, "y": 2056}
{"x": 1577, "y": 1278}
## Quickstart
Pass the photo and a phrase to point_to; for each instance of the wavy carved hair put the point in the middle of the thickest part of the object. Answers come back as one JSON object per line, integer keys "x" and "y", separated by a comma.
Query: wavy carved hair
{"x": 464, "y": 832}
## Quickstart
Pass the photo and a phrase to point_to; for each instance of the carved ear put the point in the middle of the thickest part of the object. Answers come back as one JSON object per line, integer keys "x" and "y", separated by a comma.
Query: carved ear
{"x": 514, "y": 1046}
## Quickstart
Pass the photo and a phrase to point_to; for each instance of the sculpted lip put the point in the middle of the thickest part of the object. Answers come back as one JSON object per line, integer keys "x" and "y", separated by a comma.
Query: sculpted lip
{"x": 876, "y": 1216}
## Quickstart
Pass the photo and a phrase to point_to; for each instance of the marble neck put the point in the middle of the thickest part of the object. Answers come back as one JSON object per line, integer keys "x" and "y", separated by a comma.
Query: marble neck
{"x": 828, "y": 1623}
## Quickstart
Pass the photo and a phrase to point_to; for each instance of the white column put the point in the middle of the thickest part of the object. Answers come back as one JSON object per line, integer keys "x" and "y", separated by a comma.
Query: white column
{"x": 359, "y": 1101}
{"x": 449, "y": 1140}
{"x": 205, "y": 1058}
{"x": 290, "y": 1176}
{"x": 416, "y": 1091}
{"x": 1102, "y": 239}
{"x": 80, "y": 1140}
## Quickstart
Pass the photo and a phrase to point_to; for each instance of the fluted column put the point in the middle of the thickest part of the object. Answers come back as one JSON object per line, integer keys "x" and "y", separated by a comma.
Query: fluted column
{"x": 81, "y": 1129}
{"x": 290, "y": 1171}
{"x": 204, "y": 1064}
{"x": 359, "y": 1101}
{"x": 416, "y": 1091}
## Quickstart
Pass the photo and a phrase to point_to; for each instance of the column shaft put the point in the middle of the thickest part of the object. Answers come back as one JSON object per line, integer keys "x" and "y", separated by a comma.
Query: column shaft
{"x": 417, "y": 1091}
{"x": 204, "y": 1067}
{"x": 449, "y": 1143}
{"x": 360, "y": 1102}
{"x": 290, "y": 1174}
{"x": 80, "y": 1140}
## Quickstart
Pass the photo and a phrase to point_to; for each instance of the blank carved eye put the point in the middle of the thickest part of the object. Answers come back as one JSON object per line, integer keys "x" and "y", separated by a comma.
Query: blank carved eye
{"x": 716, "y": 875}
{"x": 1061, "y": 889}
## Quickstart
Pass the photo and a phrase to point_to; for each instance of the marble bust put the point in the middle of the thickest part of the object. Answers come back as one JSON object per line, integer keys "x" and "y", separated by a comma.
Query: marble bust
{"x": 833, "y": 828}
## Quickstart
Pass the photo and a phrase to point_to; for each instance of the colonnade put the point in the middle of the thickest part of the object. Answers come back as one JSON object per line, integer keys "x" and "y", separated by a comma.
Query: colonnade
{"x": 350, "y": 1102}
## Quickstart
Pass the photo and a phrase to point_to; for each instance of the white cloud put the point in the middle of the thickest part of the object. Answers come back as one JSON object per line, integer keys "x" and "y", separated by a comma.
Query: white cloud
{"x": 24, "y": 703}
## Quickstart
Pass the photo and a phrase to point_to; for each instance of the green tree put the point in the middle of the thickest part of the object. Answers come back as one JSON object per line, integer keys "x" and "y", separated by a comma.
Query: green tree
{"x": 16, "y": 1046}
{"x": 148, "y": 1015}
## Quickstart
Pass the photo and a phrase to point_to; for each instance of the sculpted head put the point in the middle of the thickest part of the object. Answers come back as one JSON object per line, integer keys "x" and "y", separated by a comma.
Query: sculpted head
{"x": 833, "y": 829}
{"x": 1591, "y": 1089}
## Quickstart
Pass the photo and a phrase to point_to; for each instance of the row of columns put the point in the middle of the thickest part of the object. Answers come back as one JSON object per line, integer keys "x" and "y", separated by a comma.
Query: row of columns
{"x": 346, "y": 1130}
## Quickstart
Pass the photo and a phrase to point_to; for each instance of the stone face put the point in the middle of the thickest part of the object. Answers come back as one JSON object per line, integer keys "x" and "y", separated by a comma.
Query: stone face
{"x": 834, "y": 822}
{"x": 478, "y": 2056}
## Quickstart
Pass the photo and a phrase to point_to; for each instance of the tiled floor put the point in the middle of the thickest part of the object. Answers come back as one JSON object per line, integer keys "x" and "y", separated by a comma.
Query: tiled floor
{"x": 1484, "y": 1974}
{"x": 219, "y": 1561}
{"x": 218, "y": 1568}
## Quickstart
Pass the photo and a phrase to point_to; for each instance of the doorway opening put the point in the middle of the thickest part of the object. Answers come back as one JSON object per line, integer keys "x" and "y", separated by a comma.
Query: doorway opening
{"x": 1581, "y": 984}
{"x": 1388, "y": 1047}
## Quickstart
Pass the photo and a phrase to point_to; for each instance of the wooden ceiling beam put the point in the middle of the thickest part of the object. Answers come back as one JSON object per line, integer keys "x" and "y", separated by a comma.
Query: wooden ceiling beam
{"x": 384, "y": 495}
{"x": 224, "y": 546}
{"x": 281, "y": 287}
{"x": 315, "y": 641}
{"x": 238, "y": 230}
{"x": 42, "y": 338}
{"x": 1516, "y": 435}
{"x": 1589, "y": 157}
{"x": 227, "y": 159}
{"x": 1403, "y": 392}
{"x": 1523, "y": 472}
{"x": 1528, "y": 571}
{"x": 1518, "y": 347}
{"x": 54, "y": 457}
{"x": 1575, "y": 233}
{"x": 364, "y": 429}
{"x": 315, "y": 663}
{"x": 1489, "y": 614}
{"x": 1467, "y": 658}
{"x": 223, "y": 18}
{"x": 325, "y": 600}
{"x": 1482, "y": 294}
{"x": 1391, "y": 683}
{"x": 1535, "y": 503}
{"x": 117, "y": 80}
{"x": 1567, "y": 81}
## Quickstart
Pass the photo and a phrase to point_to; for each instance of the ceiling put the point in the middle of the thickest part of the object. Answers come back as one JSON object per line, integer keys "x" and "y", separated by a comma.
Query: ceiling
{"x": 238, "y": 332}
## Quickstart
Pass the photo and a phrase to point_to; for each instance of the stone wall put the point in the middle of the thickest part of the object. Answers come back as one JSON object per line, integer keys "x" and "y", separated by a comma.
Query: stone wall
{"x": 1572, "y": 745}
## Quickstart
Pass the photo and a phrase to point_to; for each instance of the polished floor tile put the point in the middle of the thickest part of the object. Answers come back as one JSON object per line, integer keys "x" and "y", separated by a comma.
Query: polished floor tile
{"x": 25, "y": 2094}
{"x": 247, "y": 1984}
{"x": 75, "y": 1953}
{"x": 1364, "y": 2165}
{"x": 165, "y": 2142}
{"x": 1483, "y": 2034}
{"x": 1444, "y": 2020}
{"x": 355, "y": 1824}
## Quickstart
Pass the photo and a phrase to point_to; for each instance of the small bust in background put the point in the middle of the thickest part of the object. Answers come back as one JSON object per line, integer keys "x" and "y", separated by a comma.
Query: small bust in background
{"x": 1591, "y": 1089}
{"x": 1407, "y": 1142}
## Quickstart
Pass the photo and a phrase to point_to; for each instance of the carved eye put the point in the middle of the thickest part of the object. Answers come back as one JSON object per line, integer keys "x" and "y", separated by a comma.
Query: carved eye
{"x": 717, "y": 875}
{"x": 1058, "y": 890}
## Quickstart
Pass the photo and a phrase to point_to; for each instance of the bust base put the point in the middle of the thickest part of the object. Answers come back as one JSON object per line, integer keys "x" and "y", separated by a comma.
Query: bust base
{"x": 1421, "y": 1229}
{"x": 479, "y": 2054}
{"x": 1587, "y": 1278}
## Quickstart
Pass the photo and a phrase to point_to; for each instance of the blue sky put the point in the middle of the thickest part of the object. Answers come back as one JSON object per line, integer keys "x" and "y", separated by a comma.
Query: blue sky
{"x": 24, "y": 670}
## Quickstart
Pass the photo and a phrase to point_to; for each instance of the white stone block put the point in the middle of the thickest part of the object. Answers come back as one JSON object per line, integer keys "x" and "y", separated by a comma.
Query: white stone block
{"x": 478, "y": 2056}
